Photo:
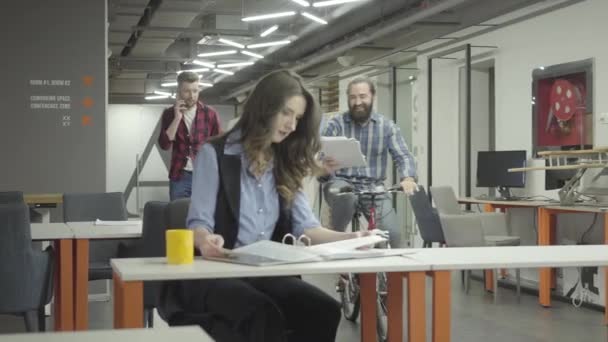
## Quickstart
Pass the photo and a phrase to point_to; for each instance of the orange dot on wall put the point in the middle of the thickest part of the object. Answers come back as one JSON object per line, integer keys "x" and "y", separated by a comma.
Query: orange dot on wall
{"x": 87, "y": 80}
{"x": 87, "y": 102}
{"x": 86, "y": 120}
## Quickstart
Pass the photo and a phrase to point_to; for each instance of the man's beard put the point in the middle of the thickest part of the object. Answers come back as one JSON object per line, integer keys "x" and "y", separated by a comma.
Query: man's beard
{"x": 361, "y": 113}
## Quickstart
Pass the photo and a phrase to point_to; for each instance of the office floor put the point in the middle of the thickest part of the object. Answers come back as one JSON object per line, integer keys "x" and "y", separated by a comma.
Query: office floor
{"x": 474, "y": 318}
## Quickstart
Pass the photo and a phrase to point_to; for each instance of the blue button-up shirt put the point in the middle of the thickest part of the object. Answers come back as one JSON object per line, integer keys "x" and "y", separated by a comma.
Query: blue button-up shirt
{"x": 259, "y": 203}
{"x": 378, "y": 138}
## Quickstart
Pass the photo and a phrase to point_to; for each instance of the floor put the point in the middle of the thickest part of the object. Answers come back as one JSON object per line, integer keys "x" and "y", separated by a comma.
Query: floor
{"x": 474, "y": 317}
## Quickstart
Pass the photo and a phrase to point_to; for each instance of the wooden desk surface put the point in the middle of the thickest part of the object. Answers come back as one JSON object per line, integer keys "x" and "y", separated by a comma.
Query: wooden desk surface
{"x": 51, "y": 231}
{"x": 579, "y": 208}
{"x": 89, "y": 230}
{"x": 181, "y": 334}
{"x": 530, "y": 204}
{"x": 43, "y": 198}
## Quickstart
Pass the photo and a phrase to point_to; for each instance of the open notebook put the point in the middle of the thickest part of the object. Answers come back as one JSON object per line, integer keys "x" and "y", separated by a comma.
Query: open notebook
{"x": 266, "y": 253}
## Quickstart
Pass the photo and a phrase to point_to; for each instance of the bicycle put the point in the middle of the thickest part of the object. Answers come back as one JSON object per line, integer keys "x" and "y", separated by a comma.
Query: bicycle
{"x": 348, "y": 284}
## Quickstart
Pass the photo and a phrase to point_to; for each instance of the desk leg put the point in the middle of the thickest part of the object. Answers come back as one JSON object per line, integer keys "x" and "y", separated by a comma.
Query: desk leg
{"x": 394, "y": 289}
{"x": 129, "y": 303}
{"x": 442, "y": 306}
{"x": 544, "y": 239}
{"x": 81, "y": 284}
{"x": 64, "y": 300}
{"x": 416, "y": 307}
{"x": 489, "y": 274}
{"x": 606, "y": 272}
{"x": 367, "y": 283}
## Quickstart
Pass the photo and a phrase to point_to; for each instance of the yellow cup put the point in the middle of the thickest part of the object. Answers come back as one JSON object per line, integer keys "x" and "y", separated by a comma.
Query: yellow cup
{"x": 180, "y": 246}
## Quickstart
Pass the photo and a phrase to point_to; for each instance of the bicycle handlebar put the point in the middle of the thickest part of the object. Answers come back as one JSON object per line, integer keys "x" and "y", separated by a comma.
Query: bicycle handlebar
{"x": 378, "y": 190}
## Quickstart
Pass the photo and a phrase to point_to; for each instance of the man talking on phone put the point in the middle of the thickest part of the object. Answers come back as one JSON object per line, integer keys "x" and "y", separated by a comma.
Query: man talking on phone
{"x": 185, "y": 127}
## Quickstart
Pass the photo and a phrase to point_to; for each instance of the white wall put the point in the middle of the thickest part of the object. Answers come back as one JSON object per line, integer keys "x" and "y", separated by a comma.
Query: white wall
{"x": 569, "y": 34}
{"x": 129, "y": 128}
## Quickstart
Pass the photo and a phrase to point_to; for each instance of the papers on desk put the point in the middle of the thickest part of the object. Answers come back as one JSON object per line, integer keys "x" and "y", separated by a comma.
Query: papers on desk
{"x": 266, "y": 253}
{"x": 346, "y": 151}
{"x": 99, "y": 222}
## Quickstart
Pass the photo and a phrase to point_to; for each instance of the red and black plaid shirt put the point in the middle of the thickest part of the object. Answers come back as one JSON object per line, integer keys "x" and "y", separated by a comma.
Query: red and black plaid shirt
{"x": 206, "y": 124}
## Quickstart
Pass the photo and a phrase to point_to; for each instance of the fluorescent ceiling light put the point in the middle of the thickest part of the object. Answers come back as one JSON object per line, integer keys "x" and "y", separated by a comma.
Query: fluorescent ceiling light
{"x": 217, "y": 53}
{"x": 169, "y": 84}
{"x": 269, "y": 16}
{"x": 206, "y": 84}
{"x": 278, "y": 42}
{"x": 230, "y": 42}
{"x": 331, "y": 3}
{"x": 252, "y": 54}
{"x": 163, "y": 93}
{"x": 205, "y": 64}
{"x": 225, "y": 72}
{"x": 156, "y": 97}
{"x": 269, "y": 30}
{"x": 302, "y": 3}
{"x": 314, "y": 18}
{"x": 232, "y": 65}
{"x": 194, "y": 70}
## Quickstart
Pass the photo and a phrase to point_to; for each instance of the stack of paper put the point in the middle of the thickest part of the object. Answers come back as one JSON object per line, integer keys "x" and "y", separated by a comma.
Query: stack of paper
{"x": 346, "y": 151}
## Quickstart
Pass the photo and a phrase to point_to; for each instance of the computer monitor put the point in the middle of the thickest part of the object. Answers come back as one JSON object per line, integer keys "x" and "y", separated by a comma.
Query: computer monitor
{"x": 492, "y": 170}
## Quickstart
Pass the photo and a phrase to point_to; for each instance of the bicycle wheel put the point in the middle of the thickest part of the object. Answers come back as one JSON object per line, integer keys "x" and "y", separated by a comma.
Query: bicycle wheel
{"x": 382, "y": 309}
{"x": 350, "y": 297}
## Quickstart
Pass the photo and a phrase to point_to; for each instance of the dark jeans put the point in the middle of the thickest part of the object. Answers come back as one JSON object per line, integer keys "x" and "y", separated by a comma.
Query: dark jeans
{"x": 265, "y": 309}
{"x": 181, "y": 188}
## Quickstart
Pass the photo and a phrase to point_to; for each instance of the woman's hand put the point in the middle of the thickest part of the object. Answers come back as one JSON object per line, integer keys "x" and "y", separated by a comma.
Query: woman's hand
{"x": 210, "y": 245}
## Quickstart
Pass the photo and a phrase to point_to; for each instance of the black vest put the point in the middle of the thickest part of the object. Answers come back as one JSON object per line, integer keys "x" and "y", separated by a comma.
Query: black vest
{"x": 227, "y": 207}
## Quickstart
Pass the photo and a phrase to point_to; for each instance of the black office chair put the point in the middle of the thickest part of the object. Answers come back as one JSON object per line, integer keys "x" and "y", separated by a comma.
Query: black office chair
{"x": 427, "y": 218}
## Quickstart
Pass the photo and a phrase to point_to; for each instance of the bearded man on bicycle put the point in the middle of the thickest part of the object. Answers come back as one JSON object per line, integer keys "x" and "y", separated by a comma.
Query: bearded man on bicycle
{"x": 378, "y": 137}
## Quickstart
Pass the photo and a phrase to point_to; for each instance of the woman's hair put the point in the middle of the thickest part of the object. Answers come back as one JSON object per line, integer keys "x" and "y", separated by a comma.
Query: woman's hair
{"x": 294, "y": 157}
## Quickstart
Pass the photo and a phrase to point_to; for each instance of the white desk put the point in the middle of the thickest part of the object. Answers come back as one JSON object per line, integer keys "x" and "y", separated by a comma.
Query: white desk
{"x": 51, "y": 231}
{"x": 130, "y": 273}
{"x": 83, "y": 232}
{"x": 448, "y": 259}
{"x": 181, "y": 334}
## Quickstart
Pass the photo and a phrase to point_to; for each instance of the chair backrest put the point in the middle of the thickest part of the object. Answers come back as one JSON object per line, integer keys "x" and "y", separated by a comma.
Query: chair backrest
{"x": 154, "y": 224}
{"x": 11, "y": 196}
{"x": 426, "y": 217}
{"x": 22, "y": 281}
{"x": 445, "y": 200}
{"x": 462, "y": 230}
{"x": 91, "y": 206}
{"x": 178, "y": 211}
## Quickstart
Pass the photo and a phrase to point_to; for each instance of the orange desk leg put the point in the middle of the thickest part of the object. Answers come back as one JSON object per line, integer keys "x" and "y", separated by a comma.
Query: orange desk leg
{"x": 488, "y": 274}
{"x": 367, "y": 283}
{"x": 544, "y": 238}
{"x": 606, "y": 272}
{"x": 553, "y": 241}
{"x": 63, "y": 308}
{"x": 394, "y": 300}
{"x": 128, "y": 303}
{"x": 416, "y": 307}
{"x": 81, "y": 284}
{"x": 442, "y": 306}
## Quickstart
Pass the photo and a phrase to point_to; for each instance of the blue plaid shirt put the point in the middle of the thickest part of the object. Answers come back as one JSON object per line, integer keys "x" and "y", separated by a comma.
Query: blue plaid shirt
{"x": 379, "y": 137}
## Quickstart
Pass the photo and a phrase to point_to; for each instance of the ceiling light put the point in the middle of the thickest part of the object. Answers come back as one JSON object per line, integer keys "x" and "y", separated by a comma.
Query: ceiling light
{"x": 331, "y": 3}
{"x": 194, "y": 70}
{"x": 163, "y": 93}
{"x": 314, "y": 18}
{"x": 269, "y": 30}
{"x": 225, "y": 72}
{"x": 269, "y": 16}
{"x": 230, "y": 42}
{"x": 217, "y": 53}
{"x": 232, "y": 65}
{"x": 156, "y": 97}
{"x": 252, "y": 54}
{"x": 169, "y": 84}
{"x": 205, "y": 64}
{"x": 278, "y": 42}
{"x": 302, "y": 3}
{"x": 206, "y": 84}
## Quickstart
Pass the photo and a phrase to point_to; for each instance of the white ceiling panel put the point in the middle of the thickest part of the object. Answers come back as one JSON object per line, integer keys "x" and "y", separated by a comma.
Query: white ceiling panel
{"x": 172, "y": 19}
{"x": 150, "y": 47}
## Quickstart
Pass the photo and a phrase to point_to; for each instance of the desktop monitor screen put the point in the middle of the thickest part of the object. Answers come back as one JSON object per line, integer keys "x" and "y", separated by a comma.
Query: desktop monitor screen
{"x": 492, "y": 169}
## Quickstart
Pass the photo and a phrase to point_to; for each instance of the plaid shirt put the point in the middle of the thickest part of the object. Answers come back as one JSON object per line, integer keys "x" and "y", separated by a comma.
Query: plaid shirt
{"x": 378, "y": 138}
{"x": 206, "y": 124}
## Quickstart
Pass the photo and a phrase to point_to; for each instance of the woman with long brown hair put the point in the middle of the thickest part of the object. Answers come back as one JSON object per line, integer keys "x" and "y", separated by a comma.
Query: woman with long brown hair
{"x": 247, "y": 187}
